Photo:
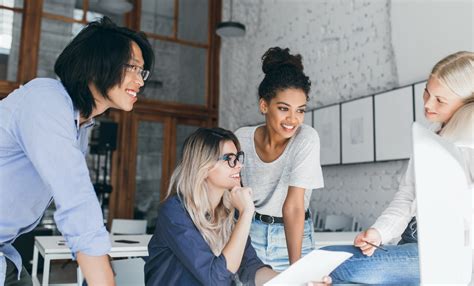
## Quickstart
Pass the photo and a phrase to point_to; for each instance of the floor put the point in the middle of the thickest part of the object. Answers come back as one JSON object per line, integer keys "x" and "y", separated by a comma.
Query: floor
{"x": 62, "y": 271}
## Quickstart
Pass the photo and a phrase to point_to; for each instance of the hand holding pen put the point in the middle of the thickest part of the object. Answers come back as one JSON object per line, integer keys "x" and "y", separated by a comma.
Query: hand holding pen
{"x": 376, "y": 246}
{"x": 368, "y": 241}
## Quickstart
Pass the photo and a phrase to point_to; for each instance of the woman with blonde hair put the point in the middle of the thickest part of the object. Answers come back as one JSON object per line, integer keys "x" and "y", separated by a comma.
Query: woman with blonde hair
{"x": 197, "y": 239}
{"x": 450, "y": 87}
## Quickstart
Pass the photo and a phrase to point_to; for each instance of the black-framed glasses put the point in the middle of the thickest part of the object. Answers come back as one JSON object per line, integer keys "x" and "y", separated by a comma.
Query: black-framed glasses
{"x": 232, "y": 158}
{"x": 138, "y": 70}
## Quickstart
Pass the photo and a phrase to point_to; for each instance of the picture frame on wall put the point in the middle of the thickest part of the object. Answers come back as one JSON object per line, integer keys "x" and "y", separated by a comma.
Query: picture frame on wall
{"x": 326, "y": 121}
{"x": 393, "y": 120}
{"x": 418, "y": 90}
{"x": 357, "y": 124}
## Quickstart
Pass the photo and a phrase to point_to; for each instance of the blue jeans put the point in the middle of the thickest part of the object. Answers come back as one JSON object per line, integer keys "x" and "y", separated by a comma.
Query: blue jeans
{"x": 399, "y": 265}
{"x": 269, "y": 241}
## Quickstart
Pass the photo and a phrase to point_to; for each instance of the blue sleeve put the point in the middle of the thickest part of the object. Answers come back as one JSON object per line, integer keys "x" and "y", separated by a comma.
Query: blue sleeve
{"x": 47, "y": 134}
{"x": 250, "y": 264}
{"x": 190, "y": 248}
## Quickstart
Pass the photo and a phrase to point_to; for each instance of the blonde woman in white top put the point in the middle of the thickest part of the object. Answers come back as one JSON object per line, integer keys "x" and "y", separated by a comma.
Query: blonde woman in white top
{"x": 449, "y": 87}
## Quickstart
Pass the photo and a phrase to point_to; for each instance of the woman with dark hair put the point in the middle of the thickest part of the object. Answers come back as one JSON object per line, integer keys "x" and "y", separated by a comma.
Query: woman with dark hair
{"x": 282, "y": 164}
{"x": 43, "y": 139}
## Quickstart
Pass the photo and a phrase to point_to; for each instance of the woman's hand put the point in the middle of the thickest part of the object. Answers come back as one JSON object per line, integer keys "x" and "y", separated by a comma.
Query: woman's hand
{"x": 370, "y": 235}
{"x": 241, "y": 199}
{"x": 326, "y": 281}
{"x": 233, "y": 251}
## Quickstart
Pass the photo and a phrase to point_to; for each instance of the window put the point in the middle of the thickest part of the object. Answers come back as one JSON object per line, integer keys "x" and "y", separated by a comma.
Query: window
{"x": 181, "y": 95}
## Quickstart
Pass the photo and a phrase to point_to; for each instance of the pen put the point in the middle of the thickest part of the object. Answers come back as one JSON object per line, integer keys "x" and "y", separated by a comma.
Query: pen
{"x": 376, "y": 246}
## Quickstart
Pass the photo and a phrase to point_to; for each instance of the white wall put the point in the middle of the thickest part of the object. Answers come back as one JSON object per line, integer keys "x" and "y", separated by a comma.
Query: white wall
{"x": 424, "y": 31}
{"x": 345, "y": 47}
{"x": 348, "y": 52}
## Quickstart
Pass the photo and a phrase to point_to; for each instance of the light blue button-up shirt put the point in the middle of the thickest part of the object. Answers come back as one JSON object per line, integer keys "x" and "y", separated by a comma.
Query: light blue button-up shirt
{"x": 42, "y": 149}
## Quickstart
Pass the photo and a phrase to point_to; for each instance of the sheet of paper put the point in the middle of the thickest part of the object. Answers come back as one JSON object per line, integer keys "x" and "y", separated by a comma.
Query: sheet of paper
{"x": 313, "y": 267}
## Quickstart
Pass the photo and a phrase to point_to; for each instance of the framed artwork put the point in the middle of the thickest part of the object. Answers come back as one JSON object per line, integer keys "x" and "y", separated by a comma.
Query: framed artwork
{"x": 327, "y": 123}
{"x": 393, "y": 120}
{"x": 418, "y": 90}
{"x": 357, "y": 123}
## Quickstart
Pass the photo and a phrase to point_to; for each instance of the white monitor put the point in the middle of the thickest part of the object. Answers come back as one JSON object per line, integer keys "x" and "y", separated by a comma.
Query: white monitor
{"x": 444, "y": 210}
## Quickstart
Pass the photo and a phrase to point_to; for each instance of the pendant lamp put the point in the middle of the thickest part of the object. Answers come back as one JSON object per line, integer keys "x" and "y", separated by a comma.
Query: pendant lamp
{"x": 230, "y": 28}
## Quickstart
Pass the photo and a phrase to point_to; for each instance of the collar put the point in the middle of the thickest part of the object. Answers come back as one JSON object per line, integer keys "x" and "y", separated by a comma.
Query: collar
{"x": 87, "y": 124}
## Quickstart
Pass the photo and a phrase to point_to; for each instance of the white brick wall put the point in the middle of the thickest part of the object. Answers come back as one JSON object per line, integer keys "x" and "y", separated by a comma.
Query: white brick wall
{"x": 347, "y": 53}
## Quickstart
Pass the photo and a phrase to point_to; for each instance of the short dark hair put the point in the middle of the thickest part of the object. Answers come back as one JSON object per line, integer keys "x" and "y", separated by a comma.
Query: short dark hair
{"x": 97, "y": 54}
{"x": 282, "y": 71}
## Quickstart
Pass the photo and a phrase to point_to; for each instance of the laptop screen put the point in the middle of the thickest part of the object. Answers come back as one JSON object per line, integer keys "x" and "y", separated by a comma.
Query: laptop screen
{"x": 444, "y": 209}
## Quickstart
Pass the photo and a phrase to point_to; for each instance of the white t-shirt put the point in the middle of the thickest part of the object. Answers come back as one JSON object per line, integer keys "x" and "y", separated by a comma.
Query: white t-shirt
{"x": 298, "y": 166}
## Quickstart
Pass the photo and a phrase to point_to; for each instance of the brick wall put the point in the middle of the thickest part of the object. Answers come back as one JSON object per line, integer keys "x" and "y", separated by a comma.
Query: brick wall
{"x": 347, "y": 53}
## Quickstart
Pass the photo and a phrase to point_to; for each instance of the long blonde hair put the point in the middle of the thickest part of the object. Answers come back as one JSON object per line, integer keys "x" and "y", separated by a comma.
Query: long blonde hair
{"x": 460, "y": 128}
{"x": 200, "y": 153}
{"x": 456, "y": 72}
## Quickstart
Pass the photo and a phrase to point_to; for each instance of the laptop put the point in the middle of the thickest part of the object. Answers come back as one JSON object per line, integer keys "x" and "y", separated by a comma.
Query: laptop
{"x": 444, "y": 210}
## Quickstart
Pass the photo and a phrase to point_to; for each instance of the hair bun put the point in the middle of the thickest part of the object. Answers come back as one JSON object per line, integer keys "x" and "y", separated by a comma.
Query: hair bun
{"x": 276, "y": 58}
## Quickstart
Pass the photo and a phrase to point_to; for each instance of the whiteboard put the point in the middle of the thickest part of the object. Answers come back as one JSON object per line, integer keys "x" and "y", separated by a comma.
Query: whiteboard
{"x": 357, "y": 131}
{"x": 327, "y": 123}
{"x": 393, "y": 120}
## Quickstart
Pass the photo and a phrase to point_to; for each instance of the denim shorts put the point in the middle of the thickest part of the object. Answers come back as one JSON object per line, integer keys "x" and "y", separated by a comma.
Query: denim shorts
{"x": 269, "y": 241}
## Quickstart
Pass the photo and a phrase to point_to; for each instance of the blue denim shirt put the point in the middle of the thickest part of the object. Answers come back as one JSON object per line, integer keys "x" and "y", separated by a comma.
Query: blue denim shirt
{"x": 179, "y": 255}
{"x": 42, "y": 149}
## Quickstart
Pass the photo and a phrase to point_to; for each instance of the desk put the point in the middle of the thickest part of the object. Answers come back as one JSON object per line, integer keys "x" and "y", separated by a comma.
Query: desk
{"x": 50, "y": 248}
{"x": 322, "y": 239}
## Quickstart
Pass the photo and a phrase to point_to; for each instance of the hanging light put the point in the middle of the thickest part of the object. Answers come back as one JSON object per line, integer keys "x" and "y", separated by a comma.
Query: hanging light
{"x": 230, "y": 28}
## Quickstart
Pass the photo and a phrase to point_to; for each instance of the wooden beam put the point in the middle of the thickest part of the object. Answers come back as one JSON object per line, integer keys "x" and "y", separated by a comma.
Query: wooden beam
{"x": 178, "y": 41}
{"x": 29, "y": 40}
{"x": 215, "y": 12}
{"x": 6, "y": 87}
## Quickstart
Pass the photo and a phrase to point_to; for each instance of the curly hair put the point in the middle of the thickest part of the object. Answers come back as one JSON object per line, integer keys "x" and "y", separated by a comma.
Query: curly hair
{"x": 282, "y": 71}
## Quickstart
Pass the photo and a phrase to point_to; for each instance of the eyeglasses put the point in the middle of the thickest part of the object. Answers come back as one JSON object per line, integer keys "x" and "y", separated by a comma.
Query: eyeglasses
{"x": 232, "y": 158}
{"x": 138, "y": 70}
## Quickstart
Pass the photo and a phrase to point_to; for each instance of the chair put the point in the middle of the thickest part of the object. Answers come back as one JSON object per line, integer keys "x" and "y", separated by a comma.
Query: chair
{"x": 339, "y": 223}
{"x": 129, "y": 272}
{"x": 128, "y": 226}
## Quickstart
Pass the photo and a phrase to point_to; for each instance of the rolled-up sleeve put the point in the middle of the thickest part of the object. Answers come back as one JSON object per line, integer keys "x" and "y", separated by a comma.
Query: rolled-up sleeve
{"x": 190, "y": 248}
{"x": 48, "y": 136}
{"x": 395, "y": 218}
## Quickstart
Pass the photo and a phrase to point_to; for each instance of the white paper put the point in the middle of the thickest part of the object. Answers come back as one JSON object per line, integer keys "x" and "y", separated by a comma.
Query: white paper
{"x": 312, "y": 267}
